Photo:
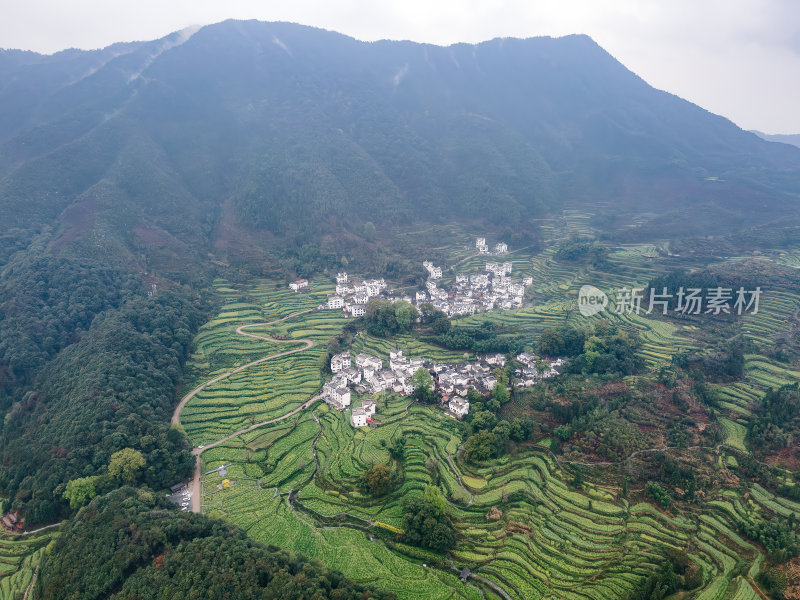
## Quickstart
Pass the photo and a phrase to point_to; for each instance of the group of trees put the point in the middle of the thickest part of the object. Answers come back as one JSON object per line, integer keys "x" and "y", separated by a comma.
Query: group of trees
{"x": 426, "y": 523}
{"x": 378, "y": 480}
{"x": 675, "y": 573}
{"x": 581, "y": 250}
{"x": 777, "y": 534}
{"x": 131, "y": 544}
{"x": 723, "y": 364}
{"x": 483, "y": 339}
{"x": 112, "y": 389}
{"x": 603, "y": 348}
{"x": 777, "y": 419}
{"x": 384, "y": 318}
{"x": 434, "y": 318}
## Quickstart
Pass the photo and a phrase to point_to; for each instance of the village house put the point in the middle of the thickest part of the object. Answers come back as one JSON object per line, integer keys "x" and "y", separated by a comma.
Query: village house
{"x": 369, "y": 407}
{"x": 335, "y": 302}
{"x": 434, "y": 272}
{"x": 337, "y": 397}
{"x": 358, "y": 418}
{"x": 339, "y": 362}
{"x": 459, "y": 407}
{"x": 495, "y": 359}
{"x": 341, "y": 278}
{"x": 365, "y": 360}
{"x": 299, "y": 285}
{"x": 357, "y": 310}
{"x": 500, "y": 248}
{"x": 352, "y": 375}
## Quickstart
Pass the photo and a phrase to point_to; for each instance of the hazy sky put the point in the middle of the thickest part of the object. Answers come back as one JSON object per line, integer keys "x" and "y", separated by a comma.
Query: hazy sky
{"x": 737, "y": 58}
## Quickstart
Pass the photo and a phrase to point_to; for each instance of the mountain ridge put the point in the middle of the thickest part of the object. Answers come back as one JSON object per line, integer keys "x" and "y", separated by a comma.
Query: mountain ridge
{"x": 299, "y": 131}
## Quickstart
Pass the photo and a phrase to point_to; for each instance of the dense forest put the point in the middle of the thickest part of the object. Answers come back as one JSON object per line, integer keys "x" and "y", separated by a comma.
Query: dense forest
{"x": 131, "y": 545}
{"x": 113, "y": 388}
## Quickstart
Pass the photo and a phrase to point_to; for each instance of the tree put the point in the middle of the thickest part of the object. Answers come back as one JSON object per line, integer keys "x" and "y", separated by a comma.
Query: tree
{"x": 378, "y": 479}
{"x": 481, "y": 446}
{"x": 80, "y": 491}
{"x": 423, "y": 387}
{"x": 126, "y": 464}
{"x": 433, "y": 496}
{"x": 369, "y": 231}
{"x": 406, "y": 314}
{"x": 422, "y": 380}
{"x": 398, "y": 448}
{"x": 426, "y": 524}
{"x": 500, "y": 389}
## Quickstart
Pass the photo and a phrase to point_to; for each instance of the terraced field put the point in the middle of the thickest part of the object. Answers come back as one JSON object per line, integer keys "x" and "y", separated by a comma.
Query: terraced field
{"x": 19, "y": 558}
{"x": 263, "y": 391}
{"x": 296, "y": 482}
{"x": 551, "y": 542}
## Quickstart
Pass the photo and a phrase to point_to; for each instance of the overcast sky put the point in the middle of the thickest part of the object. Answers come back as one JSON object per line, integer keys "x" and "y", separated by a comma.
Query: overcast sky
{"x": 737, "y": 58}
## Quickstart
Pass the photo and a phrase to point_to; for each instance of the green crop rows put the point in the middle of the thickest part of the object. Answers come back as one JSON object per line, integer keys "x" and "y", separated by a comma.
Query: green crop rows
{"x": 19, "y": 557}
{"x": 297, "y": 481}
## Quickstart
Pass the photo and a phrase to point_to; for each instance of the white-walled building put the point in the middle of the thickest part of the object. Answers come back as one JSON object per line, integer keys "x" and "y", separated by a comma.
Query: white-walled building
{"x": 459, "y": 407}
{"x": 340, "y": 362}
{"x": 335, "y": 302}
{"x": 299, "y": 285}
{"x": 369, "y": 407}
{"x": 358, "y": 418}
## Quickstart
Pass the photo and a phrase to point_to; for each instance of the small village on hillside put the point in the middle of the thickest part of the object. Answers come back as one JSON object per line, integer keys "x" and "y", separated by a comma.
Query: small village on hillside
{"x": 367, "y": 375}
{"x": 469, "y": 294}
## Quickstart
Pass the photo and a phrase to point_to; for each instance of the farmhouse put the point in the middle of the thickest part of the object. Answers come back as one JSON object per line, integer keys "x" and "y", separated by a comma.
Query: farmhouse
{"x": 369, "y": 407}
{"x": 459, "y": 407}
{"x": 341, "y": 278}
{"x": 299, "y": 285}
{"x": 340, "y": 362}
{"x": 339, "y": 398}
{"x": 335, "y": 302}
{"x": 364, "y": 361}
{"x": 500, "y": 248}
{"x": 358, "y": 418}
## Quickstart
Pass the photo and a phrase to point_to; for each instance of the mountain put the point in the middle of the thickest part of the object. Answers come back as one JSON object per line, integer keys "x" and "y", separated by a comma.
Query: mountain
{"x": 793, "y": 138}
{"x": 248, "y": 135}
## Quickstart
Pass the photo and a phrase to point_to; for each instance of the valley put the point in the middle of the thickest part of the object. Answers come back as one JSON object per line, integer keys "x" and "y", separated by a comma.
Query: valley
{"x": 521, "y": 520}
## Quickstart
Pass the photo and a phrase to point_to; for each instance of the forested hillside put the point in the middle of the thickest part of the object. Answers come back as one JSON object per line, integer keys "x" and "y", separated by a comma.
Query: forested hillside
{"x": 133, "y": 176}
{"x": 279, "y": 134}
{"x": 129, "y": 545}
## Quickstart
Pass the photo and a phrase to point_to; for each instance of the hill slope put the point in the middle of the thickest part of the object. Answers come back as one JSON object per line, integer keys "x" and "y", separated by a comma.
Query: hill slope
{"x": 299, "y": 131}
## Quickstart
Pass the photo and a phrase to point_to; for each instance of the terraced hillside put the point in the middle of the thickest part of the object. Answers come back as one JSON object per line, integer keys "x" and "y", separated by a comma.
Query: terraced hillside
{"x": 525, "y": 530}
{"x": 19, "y": 559}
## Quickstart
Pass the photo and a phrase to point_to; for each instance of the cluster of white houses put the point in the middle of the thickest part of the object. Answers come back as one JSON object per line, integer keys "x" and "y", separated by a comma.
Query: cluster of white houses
{"x": 533, "y": 369}
{"x": 367, "y": 375}
{"x": 479, "y": 292}
{"x": 483, "y": 247}
{"x": 353, "y": 299}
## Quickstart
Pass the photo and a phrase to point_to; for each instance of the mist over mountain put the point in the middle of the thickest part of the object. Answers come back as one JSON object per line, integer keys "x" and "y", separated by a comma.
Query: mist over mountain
{"x": 276, "y": 133}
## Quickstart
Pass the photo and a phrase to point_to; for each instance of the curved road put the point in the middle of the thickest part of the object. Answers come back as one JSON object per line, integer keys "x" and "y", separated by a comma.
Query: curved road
{"x": 176, "y": 416}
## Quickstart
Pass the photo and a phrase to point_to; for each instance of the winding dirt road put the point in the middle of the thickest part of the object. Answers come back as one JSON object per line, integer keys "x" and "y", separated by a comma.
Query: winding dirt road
{"x": 176, "y": 416}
